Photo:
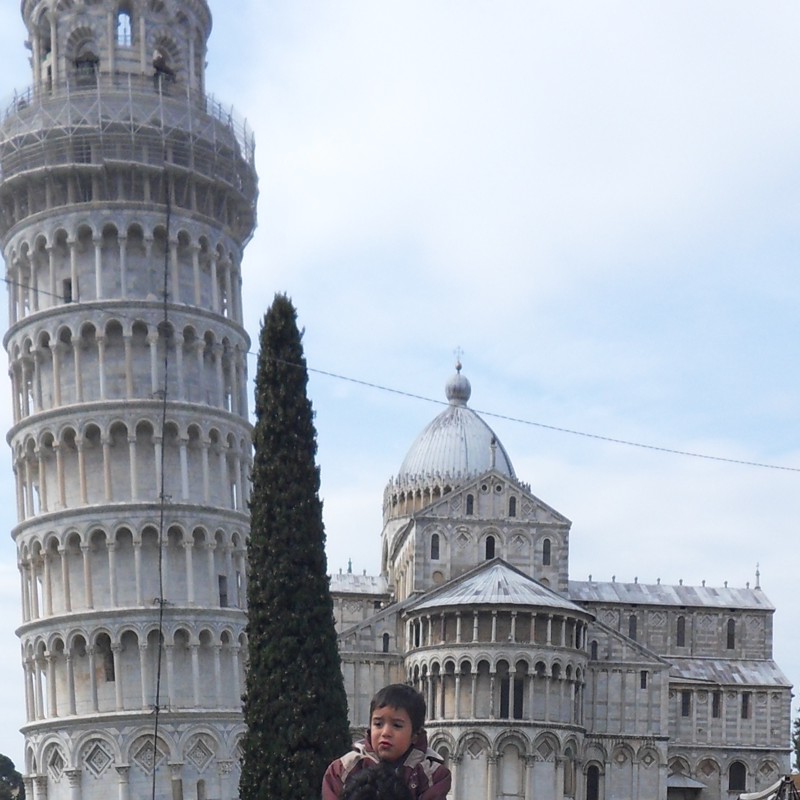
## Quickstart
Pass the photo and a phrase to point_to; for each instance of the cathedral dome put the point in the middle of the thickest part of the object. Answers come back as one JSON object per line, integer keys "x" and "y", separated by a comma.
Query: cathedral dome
{"x": 457, "y": 443}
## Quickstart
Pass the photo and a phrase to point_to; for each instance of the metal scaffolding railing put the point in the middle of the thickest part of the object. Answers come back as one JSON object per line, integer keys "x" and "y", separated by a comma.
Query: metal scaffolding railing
{"x": 106, "y": 102}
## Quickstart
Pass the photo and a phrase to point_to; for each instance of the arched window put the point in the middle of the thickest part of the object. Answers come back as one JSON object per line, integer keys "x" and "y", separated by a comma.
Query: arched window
{"x": 731, "y": 643}
{"x": 680, "y": 636}
{"x": 385, "y": 642}
{"x": 470, "y": 505}
{"x": 632, "y": 627}
{"x": 124, "y": 29}
{"x": 546, "y": 553}
{"x": 435, "y": 547}
{"x": 593, "y": 783}
{"x": 201, "y": 790}
{"x": 593, "y": 651}
{"x": 512, "y": 506}
{"x": 489, "y": 547}
{"x": 737, "y": 777}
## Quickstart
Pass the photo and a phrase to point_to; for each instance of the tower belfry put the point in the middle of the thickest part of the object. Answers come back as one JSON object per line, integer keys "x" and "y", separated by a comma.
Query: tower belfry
{"x": 127, "y": 196}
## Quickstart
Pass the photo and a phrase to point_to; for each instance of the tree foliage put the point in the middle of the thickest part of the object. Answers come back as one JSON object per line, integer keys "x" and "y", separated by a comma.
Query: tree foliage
{"x": 11, "y": 786}
{"x": 796, "y": 743}
{"x": 295, "y": 705}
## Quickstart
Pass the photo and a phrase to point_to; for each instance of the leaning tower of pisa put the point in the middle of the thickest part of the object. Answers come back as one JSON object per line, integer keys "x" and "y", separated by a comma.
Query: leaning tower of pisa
{"x": 127, "y": 196}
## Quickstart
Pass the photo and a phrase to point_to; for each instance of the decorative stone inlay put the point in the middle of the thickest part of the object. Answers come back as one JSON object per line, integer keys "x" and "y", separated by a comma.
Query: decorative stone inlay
{"x": 766, "y": 769}
{"x": 462, "y": 540}
{"x": 519, "y": 543}
{"x": 706, "y": 622}
{"x": 545, "y": 750}
{"x": 56, "y": 764}
{"x": 149, "y": 757}
{"x": 648, "y": 760}
{"x": 658, "y": 619}
{"x": 475, "y": 749}
{"x": 97, "y": 758}
{"x": 708, "y": 768}
{"x": 199, "y": 753}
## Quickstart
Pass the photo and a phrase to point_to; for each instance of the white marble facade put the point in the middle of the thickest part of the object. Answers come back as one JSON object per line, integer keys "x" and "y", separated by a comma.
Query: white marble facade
{"x": 124, "y": 185}
{"x": 542, "y": 687}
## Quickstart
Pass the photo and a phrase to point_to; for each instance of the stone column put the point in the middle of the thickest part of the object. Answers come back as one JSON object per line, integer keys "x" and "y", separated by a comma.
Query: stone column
{"x": 111, "y": 549}
{"x": 47, "y": 593}
{"x": 152, "y": 341}
{"x": 87, "y": 577}
{"x": 183, "y": 442}
{"x": 56, "y": 350}
{"x": 82, "y": 472}
{"x": 127, "y": 342}
{"x": 70, "y": 684}
{"x": 74, "y": 779}
{"x": 123, "y": 771}
{"x": 40, "y": 787}
{"x": 137, "y": 568}
{"x": 98, "y": 268}
{"x": 188, "y": 546}
{"x": 90, "y": 652}
{"x": 106, "y": 444}
{"x": 133, "y": 466}
{"x": 116, "y": 650}
{"x": 62, "y": 489}
{"x": 101, "y": 363}
{"x": 122, "y": 242}
{"x": 491, "y": 776}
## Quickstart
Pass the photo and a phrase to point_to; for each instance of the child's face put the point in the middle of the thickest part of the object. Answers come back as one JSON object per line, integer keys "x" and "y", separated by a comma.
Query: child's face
{"x": 390, "y": 732}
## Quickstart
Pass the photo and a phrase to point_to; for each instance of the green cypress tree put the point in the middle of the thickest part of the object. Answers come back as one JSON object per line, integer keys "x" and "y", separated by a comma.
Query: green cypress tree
{"x": 295, "y": 706}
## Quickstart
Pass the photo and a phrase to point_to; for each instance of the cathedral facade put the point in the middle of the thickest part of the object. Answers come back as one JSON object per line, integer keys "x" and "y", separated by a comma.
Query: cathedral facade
{"x": 538, "y": 686}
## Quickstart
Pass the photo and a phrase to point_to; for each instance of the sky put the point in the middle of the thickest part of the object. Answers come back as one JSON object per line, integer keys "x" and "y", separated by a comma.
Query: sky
{"x": 596, "y": 204}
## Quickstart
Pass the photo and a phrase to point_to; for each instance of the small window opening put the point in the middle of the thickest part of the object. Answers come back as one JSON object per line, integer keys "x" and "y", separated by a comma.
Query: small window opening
{"x": 731, "y": 643}
{"x": 124, "y": 29}
{"x": 470, "y": 505}
{"x": 385, "y": 642}
{"x": 686, "y": 703}
{"x": 546, "y": 553}
{"x": 643, "y": 679}
{"x": 435, "y": 547}
{"x": 593, "y": 651}
{"x": 716, "y": 705}
{"x": 512, "y": 506}
{"x": 680, "y": 636}
{"x": 745, "y": 705}
{"x": 632, "y": 624}
{"x": 223, "y": 591}
{"x": 489, "y": 547}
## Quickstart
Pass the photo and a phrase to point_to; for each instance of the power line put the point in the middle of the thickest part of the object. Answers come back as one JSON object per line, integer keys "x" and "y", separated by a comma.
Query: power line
{"x": 558, "y": 428}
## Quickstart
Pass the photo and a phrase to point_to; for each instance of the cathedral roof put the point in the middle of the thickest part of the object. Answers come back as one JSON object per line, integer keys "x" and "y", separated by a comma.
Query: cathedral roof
{"x": 457, "y": 443}
{"x": 728, "y": 671}
{"x": 665, "y": 595}
{"x": 495, "y": 583}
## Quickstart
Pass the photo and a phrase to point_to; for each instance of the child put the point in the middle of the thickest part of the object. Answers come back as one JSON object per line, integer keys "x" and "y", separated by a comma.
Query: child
{"x": 379, "y": 783}
{"x": 396, "y": 738}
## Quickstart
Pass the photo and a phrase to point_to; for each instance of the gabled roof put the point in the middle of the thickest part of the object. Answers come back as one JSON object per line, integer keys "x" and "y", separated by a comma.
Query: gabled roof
{"x": 529, "y": 506}
{"x": 666, "y": 595}
{"x": 496, "y": 583}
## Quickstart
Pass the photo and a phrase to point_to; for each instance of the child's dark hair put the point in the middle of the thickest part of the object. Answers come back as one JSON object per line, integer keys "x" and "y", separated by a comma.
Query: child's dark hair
{"x": 380, "y": 782}
{"x": 400, "y": 695}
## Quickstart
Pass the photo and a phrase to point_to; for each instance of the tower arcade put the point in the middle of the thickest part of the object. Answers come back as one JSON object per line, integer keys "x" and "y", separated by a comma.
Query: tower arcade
{"x": 127, "y": 197}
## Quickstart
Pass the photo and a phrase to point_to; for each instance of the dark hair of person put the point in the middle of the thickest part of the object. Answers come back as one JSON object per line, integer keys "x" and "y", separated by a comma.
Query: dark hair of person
{"x": 400, "y": 695}
{"x": 380, "y": 782}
